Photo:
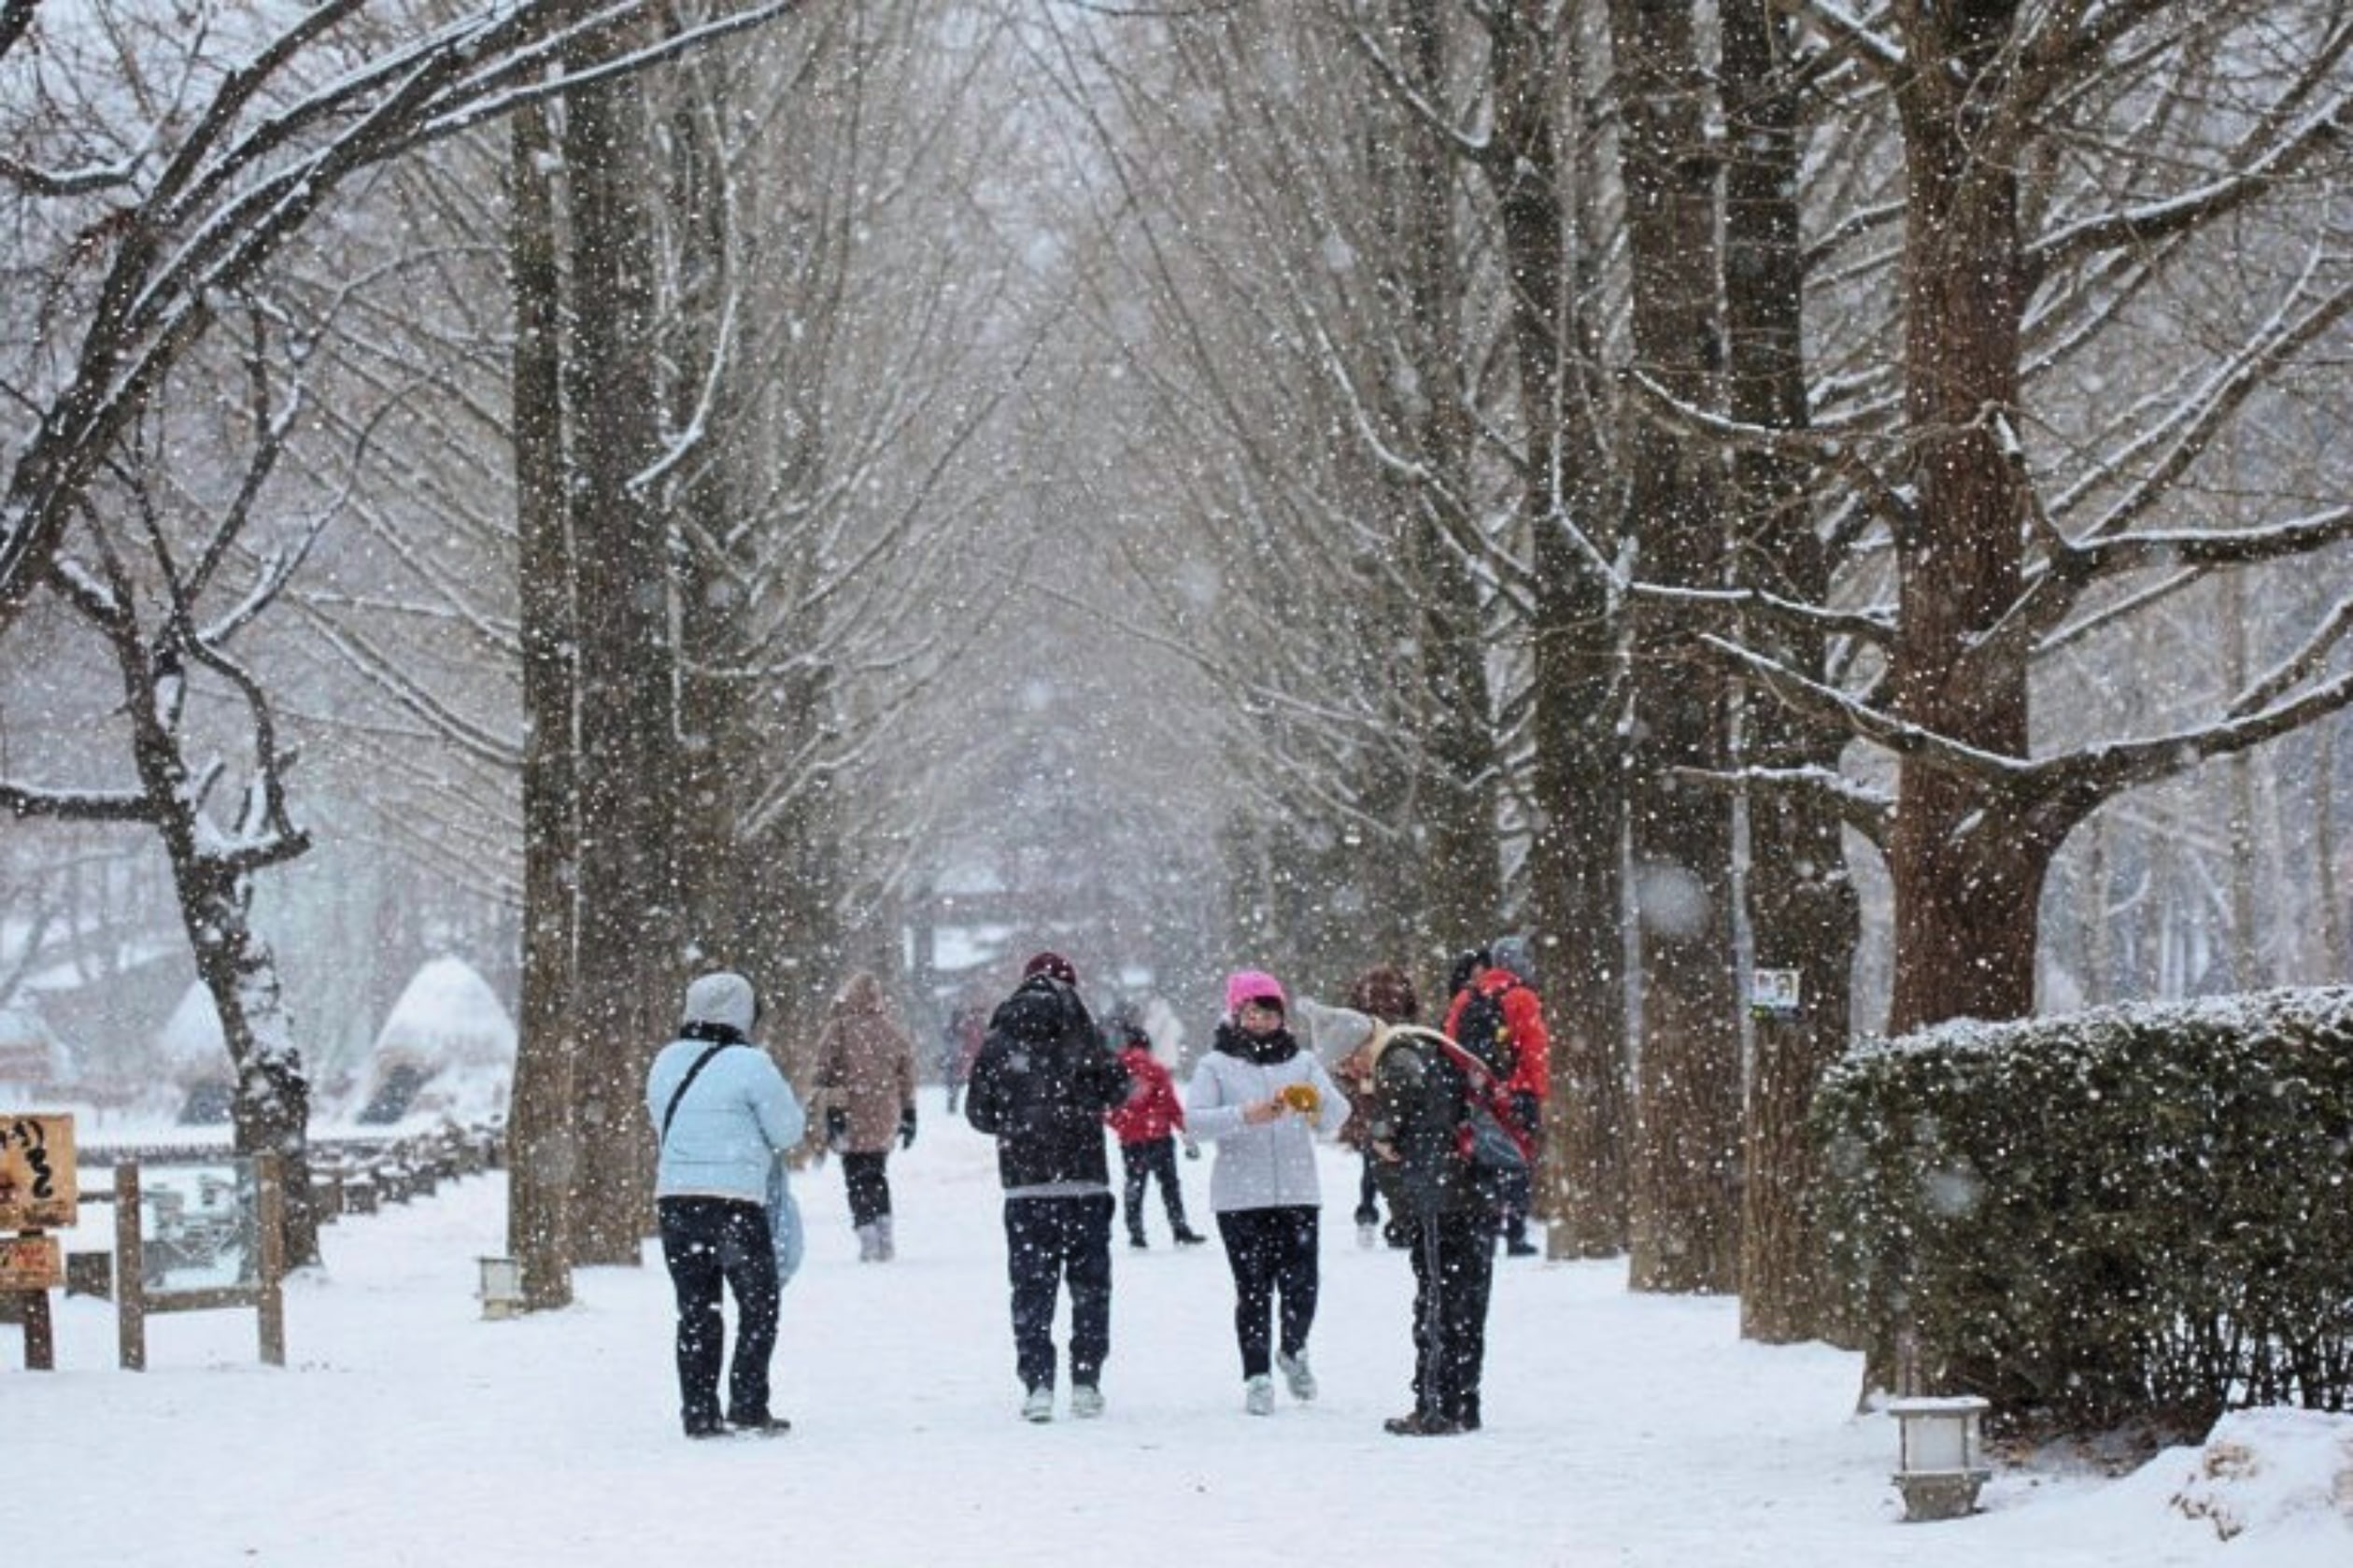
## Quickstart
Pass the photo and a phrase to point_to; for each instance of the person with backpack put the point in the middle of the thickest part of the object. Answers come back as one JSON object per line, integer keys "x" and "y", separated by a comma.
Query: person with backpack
{"x": 1419, "y": 1132}
{"x": 866, "y": 1081}
{"x": 724, "y": 1117}
{"x": 1497, "y": 1016}
{"x": 1041, "y": 1086}
{"x": 1147, "y": 1124}
{"x": 1383, "y": 993}
{"x": 1260, "y": 1098}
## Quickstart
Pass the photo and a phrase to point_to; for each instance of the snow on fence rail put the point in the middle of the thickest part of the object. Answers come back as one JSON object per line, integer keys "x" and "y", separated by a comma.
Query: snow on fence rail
{"x": 348, "y": 1175}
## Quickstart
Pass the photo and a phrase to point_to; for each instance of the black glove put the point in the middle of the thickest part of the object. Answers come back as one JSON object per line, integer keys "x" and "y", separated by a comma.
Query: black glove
{"x": 1528, "y": 1111}
{"x": 837, "y": 1126}
{"x": 907, "y": 1128}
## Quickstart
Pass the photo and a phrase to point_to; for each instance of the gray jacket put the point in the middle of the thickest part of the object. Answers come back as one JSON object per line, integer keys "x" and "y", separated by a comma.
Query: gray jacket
{"x": 1272, "y": 1165}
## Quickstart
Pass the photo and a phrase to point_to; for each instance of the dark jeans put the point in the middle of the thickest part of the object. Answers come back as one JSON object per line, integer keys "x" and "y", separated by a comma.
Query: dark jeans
{"x": 1142, "y": 1162}
{"x": 1048, "y": 1240}
{"x": 868, "y": 1178}
{"x": 1508, "y": 1194}
{"x": 1368, "y": 1195}
{"x": 705, "y": 1241}
{"x": 1271, "y": 1252}
{"x": 1454, "y": 1267}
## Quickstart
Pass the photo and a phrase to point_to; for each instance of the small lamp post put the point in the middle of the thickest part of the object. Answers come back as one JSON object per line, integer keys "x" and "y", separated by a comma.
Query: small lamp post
{"x": 1942, "y": 1464}
{"x": 502, "y": 1287}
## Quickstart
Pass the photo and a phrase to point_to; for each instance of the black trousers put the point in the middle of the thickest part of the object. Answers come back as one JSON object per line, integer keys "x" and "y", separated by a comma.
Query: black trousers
{"x": 868, "y": 1178}
{"x": 1368, "y": 1195}
{"x": 1142, "y": 1162}
{"x": 706, "y": 1241}
{"x": 1273, "y": 1251}
{"x": 1048, "y": 1241}
{"x": 1454, "y": 1270}
{"x": 1509, "y": 1195}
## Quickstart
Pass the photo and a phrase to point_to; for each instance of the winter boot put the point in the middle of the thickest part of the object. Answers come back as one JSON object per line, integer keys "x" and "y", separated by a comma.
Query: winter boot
{"x": 1295, "y": 1372}
{"x": 1258, "y": 1395}
{"x": 1038, "y": 1404}
{"x": 1369, "y": 1235}
{"x": 870, "y": 1243}
{"x": 886, "y": 1247}
{"x": 1086, "y": 1401}
{"x": 1187, "y": 1236}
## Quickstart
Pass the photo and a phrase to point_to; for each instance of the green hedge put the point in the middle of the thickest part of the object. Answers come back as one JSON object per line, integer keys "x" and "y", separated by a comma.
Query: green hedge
{"x": 2136, "y": 1214}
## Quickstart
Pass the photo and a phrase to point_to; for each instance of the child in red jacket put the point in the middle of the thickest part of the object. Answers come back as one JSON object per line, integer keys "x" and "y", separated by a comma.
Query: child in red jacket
{"x": 1146, "y": 1126}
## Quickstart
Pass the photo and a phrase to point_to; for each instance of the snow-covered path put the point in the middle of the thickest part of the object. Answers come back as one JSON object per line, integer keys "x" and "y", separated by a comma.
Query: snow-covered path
{"x": 407, "y": 1430}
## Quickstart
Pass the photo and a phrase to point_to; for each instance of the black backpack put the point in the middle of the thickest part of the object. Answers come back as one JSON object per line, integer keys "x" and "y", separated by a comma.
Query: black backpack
{"x": 1485, "y": 1031}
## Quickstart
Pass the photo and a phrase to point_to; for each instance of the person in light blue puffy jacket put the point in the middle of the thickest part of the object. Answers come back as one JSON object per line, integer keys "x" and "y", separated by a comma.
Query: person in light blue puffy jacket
{"x": 724, "y": 1116}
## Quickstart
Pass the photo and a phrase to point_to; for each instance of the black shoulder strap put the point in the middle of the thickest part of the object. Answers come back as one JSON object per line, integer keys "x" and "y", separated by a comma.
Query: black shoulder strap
{"x": 700, "y": 1063}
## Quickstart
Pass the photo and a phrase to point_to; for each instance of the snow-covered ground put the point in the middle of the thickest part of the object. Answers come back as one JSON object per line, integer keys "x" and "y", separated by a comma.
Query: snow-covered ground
{"x": 1620, "y": 1429}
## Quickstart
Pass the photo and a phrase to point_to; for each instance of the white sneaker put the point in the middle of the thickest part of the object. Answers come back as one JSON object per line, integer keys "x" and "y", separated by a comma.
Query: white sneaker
{"x": 1258, "y": 1395}
{"x": 1086, "y": 1401}
{"x": 1038, "y": 1405}
{"x": 1295, "y": 1372}
{"x": 1368, "y": 1237}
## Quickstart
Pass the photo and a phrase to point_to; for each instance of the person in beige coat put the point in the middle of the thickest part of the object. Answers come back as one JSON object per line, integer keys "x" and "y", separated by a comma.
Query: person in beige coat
{"x": 866, "y": 1081}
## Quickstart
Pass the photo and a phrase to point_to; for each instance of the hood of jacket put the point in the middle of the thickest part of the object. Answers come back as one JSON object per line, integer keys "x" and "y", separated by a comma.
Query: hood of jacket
{"x": 723, "y": 998}
{"x": 863, "y": 994}
{"x": 1039, "y": 1011}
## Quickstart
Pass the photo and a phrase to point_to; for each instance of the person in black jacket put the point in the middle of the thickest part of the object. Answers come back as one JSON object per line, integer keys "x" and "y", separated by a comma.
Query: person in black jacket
{"x": 1040, "y": 1085}
{"x": 1415, "y": 1134}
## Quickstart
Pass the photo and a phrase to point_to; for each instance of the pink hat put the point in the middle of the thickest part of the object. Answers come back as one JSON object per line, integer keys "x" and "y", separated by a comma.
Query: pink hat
{"x": 1251, "y": 985}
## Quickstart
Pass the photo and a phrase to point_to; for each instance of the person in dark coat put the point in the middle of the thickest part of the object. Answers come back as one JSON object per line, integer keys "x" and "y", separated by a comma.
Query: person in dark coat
{"x": 960, "y": 1041}
{"x": 1040, "y": 1085}
{"x": 1494, "y": 983}
{"x": 1147, "y": 1124}
{"x": 1416, "y": 1133}
{"x": 1385, "y": 994}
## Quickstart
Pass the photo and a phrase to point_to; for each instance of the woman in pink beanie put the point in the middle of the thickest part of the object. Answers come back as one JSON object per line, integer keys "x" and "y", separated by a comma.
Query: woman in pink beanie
{"x": 1260, "y": 1099}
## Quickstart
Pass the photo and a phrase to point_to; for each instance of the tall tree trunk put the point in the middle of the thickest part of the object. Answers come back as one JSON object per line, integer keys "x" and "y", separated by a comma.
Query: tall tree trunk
{"x": 1803, "y": 908}
{"x": 1465, "y": 880}
{"x": 2331, "y": 924}
{"x": 1966, "y": 887}
{"x": 540, "y": 1149}
{"x": 1575, "y": 889}
{"x": 715, "y": 649}
{"x": 2249, "y": 969}
{"x": 1685, "y": 1201}
{"x": 627, "y": 983}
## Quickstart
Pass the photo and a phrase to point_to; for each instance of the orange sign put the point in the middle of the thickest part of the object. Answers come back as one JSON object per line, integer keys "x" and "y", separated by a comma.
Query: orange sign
{"x": 31, "y": 1262}
{"x": 36, "y": 1172}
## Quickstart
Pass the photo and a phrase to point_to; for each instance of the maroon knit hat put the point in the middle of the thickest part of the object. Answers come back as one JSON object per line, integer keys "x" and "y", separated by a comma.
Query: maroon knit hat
{"x": 1051, "y": 963}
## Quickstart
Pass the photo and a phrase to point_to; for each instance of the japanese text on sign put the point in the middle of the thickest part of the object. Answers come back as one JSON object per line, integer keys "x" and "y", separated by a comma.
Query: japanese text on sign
{"x": 36, "y": 1172}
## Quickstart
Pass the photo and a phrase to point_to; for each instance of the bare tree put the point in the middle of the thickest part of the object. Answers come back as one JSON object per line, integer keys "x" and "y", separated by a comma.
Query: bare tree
{"x": 159, "y": 198}
{"x": 2003, "y": 554}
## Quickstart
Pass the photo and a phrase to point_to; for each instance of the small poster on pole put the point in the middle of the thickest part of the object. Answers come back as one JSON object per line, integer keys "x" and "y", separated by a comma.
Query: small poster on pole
{"x": 1773, "y": 993}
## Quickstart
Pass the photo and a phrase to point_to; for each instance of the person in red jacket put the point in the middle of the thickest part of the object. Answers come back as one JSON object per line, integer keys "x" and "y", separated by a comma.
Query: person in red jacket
{"x": 1493, "y": 996}
{"x": 1147, "y": 1124}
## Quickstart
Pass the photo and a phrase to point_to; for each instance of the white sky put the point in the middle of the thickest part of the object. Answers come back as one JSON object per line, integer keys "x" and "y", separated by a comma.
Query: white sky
{"x": 1621, "y": 1430}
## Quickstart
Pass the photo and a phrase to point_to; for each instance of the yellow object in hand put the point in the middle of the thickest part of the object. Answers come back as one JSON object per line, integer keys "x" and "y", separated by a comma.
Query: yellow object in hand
{"x": 1301, "y": 1097}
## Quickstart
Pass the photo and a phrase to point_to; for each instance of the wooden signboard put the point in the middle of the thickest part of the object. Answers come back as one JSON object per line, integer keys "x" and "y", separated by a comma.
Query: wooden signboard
{"x": 36, "y": 1172}
{"x": 196, "y": 1239}
{"x": 31, "y": 1262}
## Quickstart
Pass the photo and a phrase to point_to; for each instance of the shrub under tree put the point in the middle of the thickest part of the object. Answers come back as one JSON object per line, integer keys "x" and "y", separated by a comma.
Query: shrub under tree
{"x": 2137, "y": 1215}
